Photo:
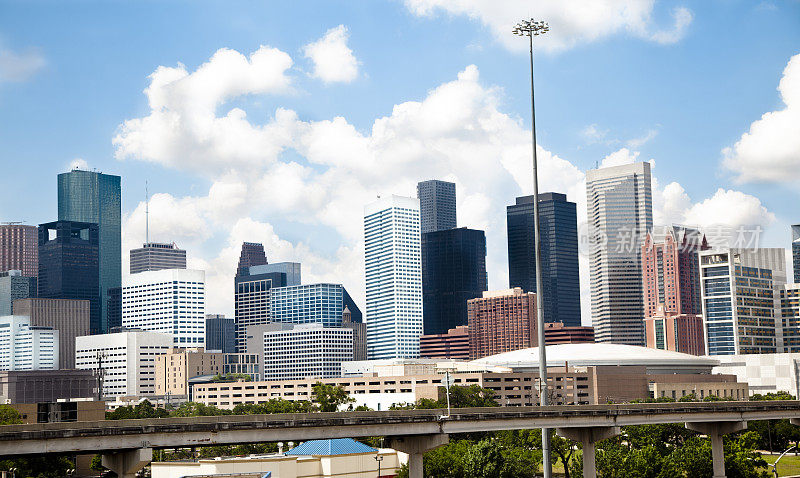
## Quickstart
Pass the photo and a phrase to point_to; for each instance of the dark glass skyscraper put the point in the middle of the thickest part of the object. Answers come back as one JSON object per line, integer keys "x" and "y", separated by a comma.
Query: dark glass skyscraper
{"x": 220, "y": 333}
{"x": 69, "y": 265}
{"x": 559, "y": 245}
{"x": 796, "y": 252}
{"x": 92, "y": 197}
{"x": 252, "y": 255}
{"x": 437, "y": 205}
{"x": 453, "y": 271}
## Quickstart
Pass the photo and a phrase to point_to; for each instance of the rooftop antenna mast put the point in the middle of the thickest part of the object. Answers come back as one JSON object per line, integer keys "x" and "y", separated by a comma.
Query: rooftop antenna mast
{"x": 146, "y": 214}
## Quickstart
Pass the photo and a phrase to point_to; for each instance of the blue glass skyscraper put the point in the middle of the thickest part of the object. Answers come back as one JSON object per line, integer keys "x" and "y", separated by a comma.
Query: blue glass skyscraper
{"x": 92, "y": 197}
{"x": 559, "y": 245}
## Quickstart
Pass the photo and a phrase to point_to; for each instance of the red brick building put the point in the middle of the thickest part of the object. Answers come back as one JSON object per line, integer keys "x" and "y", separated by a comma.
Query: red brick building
{"x": 671, "y": 288}
{"x": 19, "y": 249}
{"x": 557, "y": 333}
{"x": 501, "y": 321}
{"x": 452, "y": 345}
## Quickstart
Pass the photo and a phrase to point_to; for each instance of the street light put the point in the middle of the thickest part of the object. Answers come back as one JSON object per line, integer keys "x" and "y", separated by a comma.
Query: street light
{"x": 531, "y": 28}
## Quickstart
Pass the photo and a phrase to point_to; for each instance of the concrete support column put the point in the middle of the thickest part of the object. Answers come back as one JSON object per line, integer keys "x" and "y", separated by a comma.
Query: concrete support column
{"x": 588, "y": 436}
{"x": 126, "y": 463}
{"x": 416, "y": 446}
{"x": 715, "y": 431}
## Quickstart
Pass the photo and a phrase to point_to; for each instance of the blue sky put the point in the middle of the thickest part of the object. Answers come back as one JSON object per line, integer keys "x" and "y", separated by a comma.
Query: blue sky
{"x": 675, "y": 82}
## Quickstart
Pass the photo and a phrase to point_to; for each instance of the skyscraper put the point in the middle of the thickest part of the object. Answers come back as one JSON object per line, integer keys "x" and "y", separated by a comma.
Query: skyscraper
{"x": 312, "y": 303}
{"x": 220, "y": 333}
{"x": 453, "y": 271}
{"x": 291, "y": 269}
{"x": 252, "y": 255}
{"x": 502, "y": 321}
{"x": 13, "y": 286}
{"x": 561, "y": 298}
{"x": 92, "y": 197}
{"x": 742, "y": 300}
{"x": 796, "y": 252}
{"x": 620, "y": 212}
{"x": 69, "y": 265}
{"x": 252, "y": 300}
{"x": 19, "y": 249}
{"x": 393, "y": 277}
{"x": 69, "y": 316}
{"x": 437, "y": 203}
{"x": 154, "y": 256}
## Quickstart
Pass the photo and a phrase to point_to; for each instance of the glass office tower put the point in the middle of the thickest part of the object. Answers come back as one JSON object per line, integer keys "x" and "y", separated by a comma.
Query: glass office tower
{"x": 93, "y": 197}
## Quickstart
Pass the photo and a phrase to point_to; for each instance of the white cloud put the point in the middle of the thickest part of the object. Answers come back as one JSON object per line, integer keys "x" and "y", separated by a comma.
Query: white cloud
{"x": 333, "y": 60}
{"x": 572, "y": 22}
{"x": 642, "y": 140}
{"x": 593, "y": 133}
{"x": 16, "y": 67}
{"x": 770, "y": 150}
{"x": 729, "y": 207}
{"x": 620, "y": 157}
{"x": 78, "y": 163}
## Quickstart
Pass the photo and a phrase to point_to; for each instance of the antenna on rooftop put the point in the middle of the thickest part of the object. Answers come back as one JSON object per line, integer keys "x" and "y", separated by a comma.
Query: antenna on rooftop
{"x": 146, "y": 214}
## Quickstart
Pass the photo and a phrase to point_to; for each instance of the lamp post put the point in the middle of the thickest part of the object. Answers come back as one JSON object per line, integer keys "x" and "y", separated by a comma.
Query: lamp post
{"x": 379, "y": 459}
{"x": 532, "y": 28}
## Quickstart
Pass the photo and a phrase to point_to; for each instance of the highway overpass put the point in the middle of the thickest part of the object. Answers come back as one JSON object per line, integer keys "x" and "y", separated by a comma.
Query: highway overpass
{"x": 127, "y": 444}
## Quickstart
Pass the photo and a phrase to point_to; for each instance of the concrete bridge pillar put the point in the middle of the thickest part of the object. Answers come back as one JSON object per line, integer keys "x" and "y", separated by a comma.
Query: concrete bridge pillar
{"x": 715, "y": 431}
{"x": 416, "y": 446}
{"x": 125, "y": 463}
{"x": 588, "y": 436}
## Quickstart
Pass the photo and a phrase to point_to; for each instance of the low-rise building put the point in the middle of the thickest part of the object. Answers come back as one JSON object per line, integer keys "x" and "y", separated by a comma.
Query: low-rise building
{"x": 501, "y": 321}
{"x": 27, "y": 347}
{"x": 294, "y": 351}
{"x": 557, "y": 333}
{"x": 126, "y": 360}
{"x": 37, "y": 386}
{"x": 452, "y": 345}
{"x": 764, "y": 373}
{"x": 177, "y": 366}
{"x": 332, "y": 458}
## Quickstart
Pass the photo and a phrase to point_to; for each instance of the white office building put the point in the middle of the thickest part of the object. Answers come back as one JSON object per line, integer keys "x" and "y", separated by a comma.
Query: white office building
{"x": 764, "y": 373}
{"x": 620, "y": 213}
{"x": 393, "y": 277}
{"x": 26, "y": 347}
{"x": 127, "y": 360}
{"x": 297, "y": 351}
{"x": 741, "y": 300}
{"x": 170, "y": 301}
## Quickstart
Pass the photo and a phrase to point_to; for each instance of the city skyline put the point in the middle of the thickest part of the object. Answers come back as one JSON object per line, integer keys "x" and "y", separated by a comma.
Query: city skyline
{"x": 314, "y": 218}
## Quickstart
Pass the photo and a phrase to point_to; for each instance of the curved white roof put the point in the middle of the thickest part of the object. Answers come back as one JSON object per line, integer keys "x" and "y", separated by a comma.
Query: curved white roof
{"x": 582, "y": 355}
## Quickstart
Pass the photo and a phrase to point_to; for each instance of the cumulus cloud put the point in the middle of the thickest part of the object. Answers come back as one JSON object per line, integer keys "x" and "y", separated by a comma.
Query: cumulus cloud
{"x": 19, "y": 66}
{"x": 78, "y": 163}
{"x": 770, "y": 150}
{"x": 572, "y": 22}
{"x": 642, "y": 140}
{"x": 620, "y": 157}
{"x": 333, "y": 60}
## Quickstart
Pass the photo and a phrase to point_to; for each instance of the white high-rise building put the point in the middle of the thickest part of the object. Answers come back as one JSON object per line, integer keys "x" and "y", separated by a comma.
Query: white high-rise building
{"x": 393, "y": 277}
{"x": 741, "y": 295}
{"x": 296, "y": 351}
{"x": 170, "y": 301}
{"x": 620, "y": 213}
{"x": 26, "y": 347}
{"x": 127, "y": 359}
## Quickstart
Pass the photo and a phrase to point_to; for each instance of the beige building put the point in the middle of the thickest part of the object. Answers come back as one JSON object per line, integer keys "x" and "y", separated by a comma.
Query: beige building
{"x": 321, "y": 459}
{"x": 176, "y": 367}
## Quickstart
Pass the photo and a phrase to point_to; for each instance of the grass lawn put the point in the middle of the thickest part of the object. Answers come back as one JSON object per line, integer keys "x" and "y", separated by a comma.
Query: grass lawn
{"x": 788, "y": 466}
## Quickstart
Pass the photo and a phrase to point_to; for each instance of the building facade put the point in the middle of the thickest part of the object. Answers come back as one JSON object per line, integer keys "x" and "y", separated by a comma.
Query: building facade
{"x": 13, "y": 286}
{"x": 620, "y": 213}
{"x": 252, "y": 254}
{"x": 177, "y": 366}
{"x": 312, "y": 303}
{"x": 252, "y": 300}
{"x": 559, "y": 245}
{"x": 763, "y": 373}
{"x": 170, "y": 301}
{"x": 220, "y": 333}
{"x": 501, "y": 321}
{"x": 677, "y": 332}
{"x": 70, "y": 317}
{"x": 155, "y": 256}
{"x": 453, "y": 271}
{"x": 437, "y": 202}
{"x": 27, "y": 347}
{"x": 741, "y": 300}
{"x": 306, "y": 350}
{"x": 291, "y": 269}
{"x": 452, "y": 345}
{"x": 393, "y": 277}
{"x": 37, "y": 386}
{"x": 92, "y": 197}
{"x": 126, "y": 360}
{"x": 19, "y": 249}
{"x": 790, "y": 317}
{"x": 69, "y": 265}
{"x": 796, "y": 252}
{"x": 557, "y": 333}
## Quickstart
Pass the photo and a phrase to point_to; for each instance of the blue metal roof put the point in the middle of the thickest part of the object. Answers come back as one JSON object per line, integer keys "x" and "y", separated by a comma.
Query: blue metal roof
{"x": 334, "y": 446}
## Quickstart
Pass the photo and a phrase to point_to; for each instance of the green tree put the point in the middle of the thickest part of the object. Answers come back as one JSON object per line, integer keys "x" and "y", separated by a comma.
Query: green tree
{"x": 9, "y": 416}
{"x": 274, "y": 405}
{"x": 232, "y": 377}
{"x": 194, "y": 409}
{"x": 145, "y": 409}
{"x": 330, "y": 397}
{"x": 47, "y": 466}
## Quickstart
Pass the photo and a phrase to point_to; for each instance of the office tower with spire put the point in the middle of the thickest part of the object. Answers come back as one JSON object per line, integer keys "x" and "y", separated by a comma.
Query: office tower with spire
{"x": 561, "y": 295}
{"x": 252, "y": 291}
{"x": 437, "y": 205}
{"x": 393, "y": 273}
{"x": 93, "y": 197}
{"x": 620, "y": 212}
{"x": 19, "y": 248}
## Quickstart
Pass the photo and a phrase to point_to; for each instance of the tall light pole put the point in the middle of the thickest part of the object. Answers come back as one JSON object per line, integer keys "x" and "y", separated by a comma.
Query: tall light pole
{"x": 531, "y": 28}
